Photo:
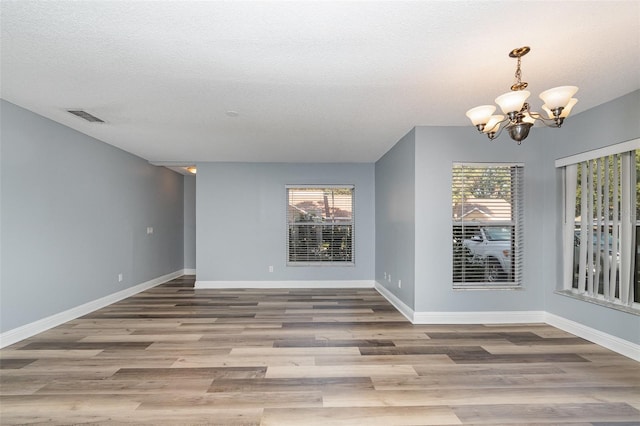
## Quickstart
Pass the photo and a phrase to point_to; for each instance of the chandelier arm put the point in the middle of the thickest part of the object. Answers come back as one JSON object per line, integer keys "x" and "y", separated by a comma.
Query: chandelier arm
{"x": 548, "y": 122}
{"x": 494, "y": 135}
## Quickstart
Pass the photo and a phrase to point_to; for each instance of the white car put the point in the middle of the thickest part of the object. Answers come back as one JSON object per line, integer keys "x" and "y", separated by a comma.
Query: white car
{"x": 490, "y": 248}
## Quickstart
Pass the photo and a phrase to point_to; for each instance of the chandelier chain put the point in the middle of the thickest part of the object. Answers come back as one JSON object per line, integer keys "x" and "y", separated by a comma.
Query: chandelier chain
{"x": 519, "y": 84}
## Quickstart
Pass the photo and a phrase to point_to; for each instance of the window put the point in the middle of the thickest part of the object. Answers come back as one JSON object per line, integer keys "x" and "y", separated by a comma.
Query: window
{"x": 320, "y": 225}
{"x": 600, "y": 226}
{"x": 487, "y": 215}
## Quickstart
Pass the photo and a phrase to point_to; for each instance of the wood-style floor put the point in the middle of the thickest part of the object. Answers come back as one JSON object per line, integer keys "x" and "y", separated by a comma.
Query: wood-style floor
{"x": 174, "y": 355}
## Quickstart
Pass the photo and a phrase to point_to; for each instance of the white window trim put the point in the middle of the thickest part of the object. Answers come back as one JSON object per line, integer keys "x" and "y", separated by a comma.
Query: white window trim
{"x": 329, "y": 185}
{"x": 600, "y": 152}
{"x": 517, "y": 285}
{"x": 351, "y": 263}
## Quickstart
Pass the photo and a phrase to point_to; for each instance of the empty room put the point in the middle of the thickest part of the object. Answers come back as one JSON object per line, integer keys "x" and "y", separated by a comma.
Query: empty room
{"x": 319, "y": 213}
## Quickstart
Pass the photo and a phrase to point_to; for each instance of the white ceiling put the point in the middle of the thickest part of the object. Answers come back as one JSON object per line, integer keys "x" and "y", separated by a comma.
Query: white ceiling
{"x": 311, "y": 81}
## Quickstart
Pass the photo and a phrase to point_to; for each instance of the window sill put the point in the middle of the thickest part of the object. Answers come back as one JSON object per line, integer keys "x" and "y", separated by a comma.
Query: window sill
{"x": 487, "y": 287}
{"x": 321, "y": 264}
{"x": 628, "y": 309}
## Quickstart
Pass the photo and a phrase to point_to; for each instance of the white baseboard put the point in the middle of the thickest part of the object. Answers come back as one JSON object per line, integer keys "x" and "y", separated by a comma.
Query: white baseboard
{"x": 616, "y": 344}
{"x": 20, "y": 333}
{"x": 189, "y": 271}
{"x": 284, "y": 284}
{"x": 492, "y": 317}
{"x": 397, "y": 303}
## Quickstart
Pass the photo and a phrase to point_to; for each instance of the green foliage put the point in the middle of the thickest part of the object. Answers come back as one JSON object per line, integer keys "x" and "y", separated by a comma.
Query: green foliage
{"x": 481, "y": 182}
{"x": 608, "y": 166}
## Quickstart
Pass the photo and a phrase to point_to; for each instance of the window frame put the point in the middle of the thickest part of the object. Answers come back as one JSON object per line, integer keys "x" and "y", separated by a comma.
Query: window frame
{"x": 351, "y": 223}
{"x": 516, "y": 223}
{"x": 583, "y": 287}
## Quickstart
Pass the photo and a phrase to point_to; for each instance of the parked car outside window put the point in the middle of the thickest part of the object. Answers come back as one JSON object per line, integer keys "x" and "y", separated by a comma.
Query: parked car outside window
{"x": 490, "y": 248}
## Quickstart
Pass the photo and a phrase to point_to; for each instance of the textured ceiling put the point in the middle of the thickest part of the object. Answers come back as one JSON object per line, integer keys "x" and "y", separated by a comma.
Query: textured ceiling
{"x": 310, "y": 81}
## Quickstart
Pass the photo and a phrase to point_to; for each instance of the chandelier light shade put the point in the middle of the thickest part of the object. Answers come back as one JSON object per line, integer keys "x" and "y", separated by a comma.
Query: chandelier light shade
{"x": 519, "y": 119}
{"x": 481, "y": 114}
{"x": 512, "y": 101}
{"x": 565, "y": 111}
{"x": 558, "y": 96}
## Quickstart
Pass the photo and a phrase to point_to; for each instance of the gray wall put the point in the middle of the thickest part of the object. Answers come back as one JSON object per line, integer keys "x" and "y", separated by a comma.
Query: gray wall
{"x": 413, "y": 220}
{"x": 190, "y": 222}
{"x": 75, "y": 210}
{"x": 241, "y": 212}
{"x": 437, "y": 148}
{"x": 430, "y": 260}
{"x": 74, "y": 215}
{"x": 395, "y": 219}
{"x": 608, "y": 124}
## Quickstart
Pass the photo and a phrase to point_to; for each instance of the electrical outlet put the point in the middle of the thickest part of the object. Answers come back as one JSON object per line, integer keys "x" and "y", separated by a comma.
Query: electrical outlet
{"x": 120, "y": 277}
{"x": 389, "y": 277}
{"x": 399, "y": 283}
{"x": 385, "y": 275}
{"x": 270, "y": 268}
{"x": 149, "y": 230}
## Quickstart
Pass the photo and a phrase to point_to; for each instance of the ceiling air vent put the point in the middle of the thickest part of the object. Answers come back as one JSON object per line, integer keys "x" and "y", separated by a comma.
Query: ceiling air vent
{"x": 86, "y": 116}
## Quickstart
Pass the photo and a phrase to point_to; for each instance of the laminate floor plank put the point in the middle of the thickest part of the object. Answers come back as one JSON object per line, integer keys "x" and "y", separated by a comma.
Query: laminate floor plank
{"x": 66, "y": 364}
{"x": 230, "y": 342}
{"x": 163, "y": 337}
{"x": 129, "y": 386}
{"x": 413, "y": 360}
{"x": 320, "y": 343}
{"x": 488, "y": 369}
{"x": 152, "y": 353}
{"x": 467, "y": 396}
{"x": 460, "y": 351}
{"x": 108, "y": 325}
{"x": 67, "y": 402}
{"x": 584, "y": 350}
{"x": 197, "y": 372}
{"x": 234, "y": 400}
{"x": 485, "y": 357}
{"x": 325, "y": 384}
{"x": 173, "y": 355}
{"x": 20, "y": 387}
{"x": 503, "y": 381}
{"x": 48, "y": 345}
{"x": 295, "y": 350}
{"x": 12, "y": 364}
{"x": 370, "y": 416}
{"x": 400, "y": 342}
{"x": 22, "y": 376}
{"x": 341, "y": 371}
{"x": 244, "y": 361}
{"x": 402, "y": 337}
{"x": 213, "y": 417}
{"x": 552, "y": 412}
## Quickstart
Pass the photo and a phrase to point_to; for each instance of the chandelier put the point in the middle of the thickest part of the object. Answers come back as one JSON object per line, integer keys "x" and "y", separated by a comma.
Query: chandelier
{"x": 558, "y": 103}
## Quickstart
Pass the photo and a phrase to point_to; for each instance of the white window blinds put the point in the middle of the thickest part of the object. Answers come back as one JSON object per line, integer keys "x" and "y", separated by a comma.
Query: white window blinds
{"x": 320, "y": 225}
{"x": 600, "y": 247}
{"x": 487, "y": 218}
